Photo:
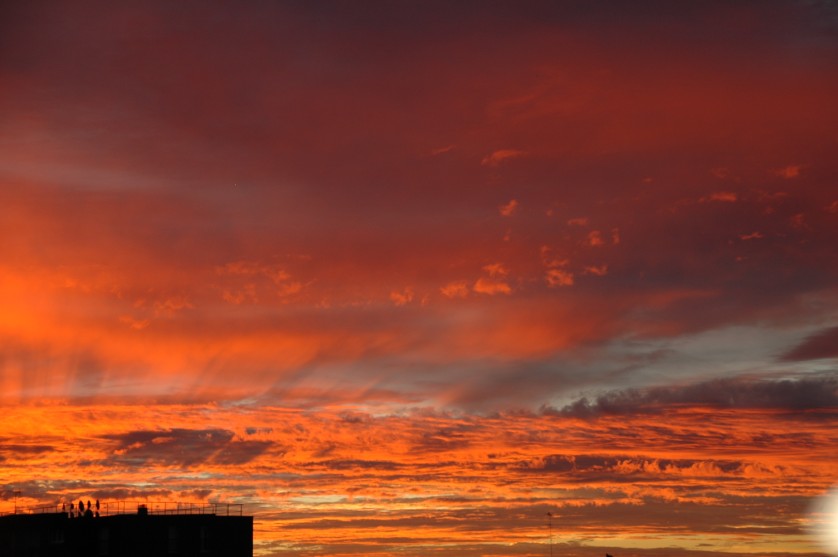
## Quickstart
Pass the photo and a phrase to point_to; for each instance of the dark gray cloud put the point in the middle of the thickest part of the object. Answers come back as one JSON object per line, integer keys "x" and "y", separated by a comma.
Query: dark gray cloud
{"x": 361, "y": 465}
{"x": 114, "y": 493}
{"x": 109, "y": 493}
{"x": 624, "y": 468}
{"x": 15, "y": 450}
{"x": 62, "y": 490}
{"x": 807, "y": 393}
{"x": 441, "y": 440}
{"x": 184, "y": 447}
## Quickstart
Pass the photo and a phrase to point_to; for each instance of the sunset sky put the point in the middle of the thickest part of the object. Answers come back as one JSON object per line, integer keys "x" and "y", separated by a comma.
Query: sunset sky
{"x": 403, "y": 277}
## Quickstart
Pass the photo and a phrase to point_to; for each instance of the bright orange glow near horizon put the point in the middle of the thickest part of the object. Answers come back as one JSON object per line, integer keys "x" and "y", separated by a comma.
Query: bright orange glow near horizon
{"x": 403, "y": 278}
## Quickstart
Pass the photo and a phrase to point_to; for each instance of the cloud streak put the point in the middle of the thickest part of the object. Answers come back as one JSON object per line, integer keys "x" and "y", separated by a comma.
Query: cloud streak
{"x": 804, "y": 394}
{"x": 422, "y": 477}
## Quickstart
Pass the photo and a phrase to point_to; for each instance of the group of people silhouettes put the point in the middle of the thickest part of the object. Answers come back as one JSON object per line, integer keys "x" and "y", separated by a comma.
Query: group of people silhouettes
{"x": 81, "y": 511}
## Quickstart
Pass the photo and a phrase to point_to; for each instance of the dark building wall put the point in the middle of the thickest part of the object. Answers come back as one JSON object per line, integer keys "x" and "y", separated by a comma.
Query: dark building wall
{"x": 200, "y": 535}
{"x": 32, "y": 535}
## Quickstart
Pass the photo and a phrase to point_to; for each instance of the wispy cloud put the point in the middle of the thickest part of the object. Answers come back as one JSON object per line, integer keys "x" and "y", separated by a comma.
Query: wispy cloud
{"x": 508, "y": 209}
{"x": 491, "y": 286}
{"x": 790, "y": 171}
{"x": 456, "y": 289}
{"x": 559, "y": 277}
{"x": 501, "y": 156}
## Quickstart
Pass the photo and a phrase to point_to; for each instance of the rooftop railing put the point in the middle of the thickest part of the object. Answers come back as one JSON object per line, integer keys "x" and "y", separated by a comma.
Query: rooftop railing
{"x": 113, "y": 508}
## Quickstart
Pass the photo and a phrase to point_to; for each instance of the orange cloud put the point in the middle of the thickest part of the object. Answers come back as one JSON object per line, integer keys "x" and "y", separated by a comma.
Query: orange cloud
{"x": 559, "y": 277}
{"x": 442, "y": 150}
{"x": 752, "y": 236}
{"x": 456, "y": 289}
{"x": 607, "y": 476}
{"x": 595, "y": 238}
{"x": 500, "y": 156}
{"x": 496, "y": 270}
{"x": 598, "y": 270}
{"x": 723, "y": 196}
{"x": 491, "y": 287}
{"x": 789, "y": 172}
{"x": 508, "y": 209}
{"x": 402, "y": 298}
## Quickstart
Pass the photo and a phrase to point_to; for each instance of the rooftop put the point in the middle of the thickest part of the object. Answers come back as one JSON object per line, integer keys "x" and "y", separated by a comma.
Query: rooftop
{"x": 113, "y": 508}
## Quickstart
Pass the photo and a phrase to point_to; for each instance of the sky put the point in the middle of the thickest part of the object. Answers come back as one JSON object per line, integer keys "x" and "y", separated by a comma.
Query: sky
{"x": 404, "y": 277}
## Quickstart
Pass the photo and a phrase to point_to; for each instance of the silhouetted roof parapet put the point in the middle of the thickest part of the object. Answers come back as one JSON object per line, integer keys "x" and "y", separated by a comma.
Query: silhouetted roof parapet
{"x": 110, "y": 508}
{"x": 129, "y": 530}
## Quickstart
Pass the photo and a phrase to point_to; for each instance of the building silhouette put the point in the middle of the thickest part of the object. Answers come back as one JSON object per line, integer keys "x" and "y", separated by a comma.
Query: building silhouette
{"x": 179, "y": 531}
